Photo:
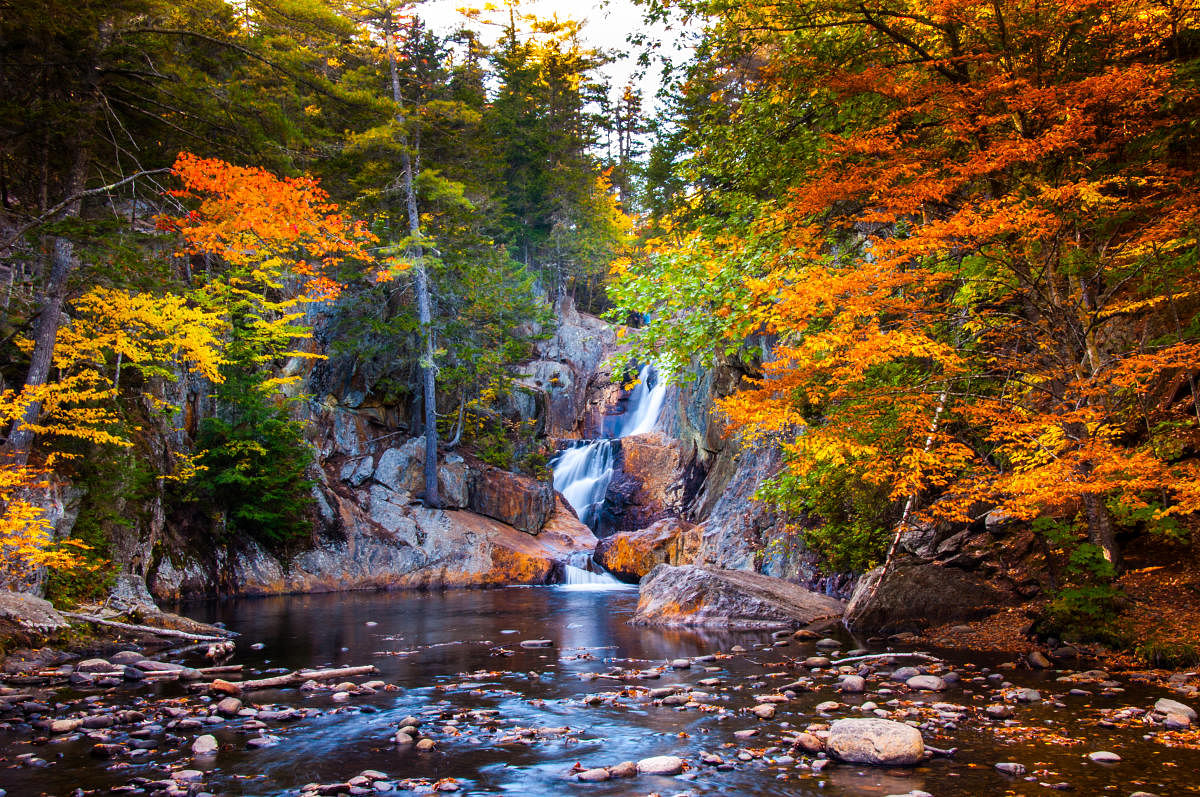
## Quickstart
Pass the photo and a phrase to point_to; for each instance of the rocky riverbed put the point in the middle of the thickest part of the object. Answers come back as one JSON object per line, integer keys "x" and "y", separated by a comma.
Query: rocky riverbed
{"x": 549, "y": 691}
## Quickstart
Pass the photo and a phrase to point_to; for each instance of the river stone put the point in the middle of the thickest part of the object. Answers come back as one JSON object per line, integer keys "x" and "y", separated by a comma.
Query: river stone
{"x": 1039, "y": 660}
{"x": 94, "y": 665}
{"x": 1011, "y": 768}
{"x": 1165, "y": 705}
{"x": 730, "y": 599}
{"x": 205, "y": 745}
{"x": 127, "y": 657}
{"x": 1104, "y": 757}
{"x": 594, "y": 775}
{"x": 229, "y": 707}
{"x": 853, "y": 683}
{"x": 764, "y": 711}
{"x": 426, "y": 745}
{"x": 928, "y": 683}
{"x": 625, "y": 769}
{"x": 661, "y": 765}
{"x": 1177, "y": 722}
{"x": 537, "y": 643}
{"x": 877, "y": 742}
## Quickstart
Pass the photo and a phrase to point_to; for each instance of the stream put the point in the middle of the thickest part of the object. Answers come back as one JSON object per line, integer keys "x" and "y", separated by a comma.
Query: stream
{"x": 454, "y": 661}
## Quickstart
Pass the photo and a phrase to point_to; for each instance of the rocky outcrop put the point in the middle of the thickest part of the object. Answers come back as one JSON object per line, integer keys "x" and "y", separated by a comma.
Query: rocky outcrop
{"x": 568, "y": 372}
{"x": 914, "y": 595}
{"x": 646, "y": 484}
{"x": 391, "y": 547}
{"x": 704, "y": 597}
{"x": 632, "y": 554}
{"x": 29, "y": 613}
{"x": 519, "y": 501}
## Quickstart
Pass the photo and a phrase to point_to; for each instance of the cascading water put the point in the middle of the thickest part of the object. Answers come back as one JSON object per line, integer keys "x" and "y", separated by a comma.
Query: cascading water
{"x": 582, "y": 472}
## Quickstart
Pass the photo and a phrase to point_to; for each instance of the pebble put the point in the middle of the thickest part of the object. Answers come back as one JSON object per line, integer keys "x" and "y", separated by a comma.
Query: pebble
{"x": 537, "y": 643}
{"x": 853, "y": 683}
{"x": 828, "y": 643}
{"x": 1104, "y": 757}
{"x": 927, "y": 683}
{"x": 681, "y": 664}
{"x": 1011, "y": 768}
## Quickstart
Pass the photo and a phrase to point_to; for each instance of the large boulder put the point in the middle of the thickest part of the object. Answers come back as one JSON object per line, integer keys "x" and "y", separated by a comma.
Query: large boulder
{"x": 402, "y": 469}
{"x": 916, "y": 595}
{"x": 878, "y": 742}
{"x": 646, "y": 484}
{"x": 29, "y": 612}
{"x": 519, "y": 501}
{"x": 732, "y": 599}
{"x": 630, "y": 555}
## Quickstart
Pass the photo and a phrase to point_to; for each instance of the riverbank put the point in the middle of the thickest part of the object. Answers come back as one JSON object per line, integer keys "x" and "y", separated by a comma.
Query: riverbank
{"x": 541, "y": 690}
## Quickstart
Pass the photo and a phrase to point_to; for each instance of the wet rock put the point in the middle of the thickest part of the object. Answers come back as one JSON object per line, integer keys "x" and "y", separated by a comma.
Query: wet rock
{"x": 1177, "y": 722}
{"x": 205, "y": 745}
{"x": 827, "y": 706}
{"x": 927, "y": 683}
{"x": 594, "y": 775}
{"x": 681, "y": 664}
{"x": 229, "y": 707}
{"x": 853, "y": 684}
{"x": 523, "y": 503}
{"x": 809, "y": 742}
{"x": 877, "y": 742}
{"x": 999, "y": 711}
{"x": 401, "y": 738}
{"x": 65, "y": 726}
{"x": 828, "y": 643}
{"x": 630, "y": 555}
{"x": 537, "y": 643}
{"x": 660, "y": 765}
{"x": 1011, "y": 768}
{"x": 625, "y": 769}
{"x": 904, "y": 673}
{"x": 94, "y": 666}
{"x": 1165, "y": 705}
{"x": 816, "y": 662}
{"x": 425, "y": 745}
{"x": 1104, "y": 757}
{"x": 764, "y": 711}
{"x": 705, "y": 597}
{"x": 1039, "y": 660}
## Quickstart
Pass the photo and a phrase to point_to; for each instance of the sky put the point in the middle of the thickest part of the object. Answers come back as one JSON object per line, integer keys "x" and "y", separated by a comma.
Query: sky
{"x": 607, "y": 26}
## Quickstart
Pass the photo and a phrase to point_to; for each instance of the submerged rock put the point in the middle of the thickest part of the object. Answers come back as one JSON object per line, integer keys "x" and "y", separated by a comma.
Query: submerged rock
{"x": 877, "y": 742}
{"x": 731, "y": 599}
{"x": 661, "y": 765}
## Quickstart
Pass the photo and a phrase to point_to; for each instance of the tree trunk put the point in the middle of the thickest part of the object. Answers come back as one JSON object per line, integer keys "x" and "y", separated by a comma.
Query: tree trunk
{"x": 1101, "y": 531}
{"x": 421, "y": 282}
{"x": 45, "y": 333}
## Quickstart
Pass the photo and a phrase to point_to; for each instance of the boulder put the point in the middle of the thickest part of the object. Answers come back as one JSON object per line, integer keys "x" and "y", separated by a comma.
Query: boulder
{"x": 521, "y": 502}
{"x": 630, "y": 555}
{"x": 1165, "y": 705}
{"x": 646, "y": 484}
{"x": 29, "y": 612}
{"x": 732, "y": 599}
{"x": 878, "y": 742}
{"x": 402, "y": 470}
{"x": 914, "y": 596}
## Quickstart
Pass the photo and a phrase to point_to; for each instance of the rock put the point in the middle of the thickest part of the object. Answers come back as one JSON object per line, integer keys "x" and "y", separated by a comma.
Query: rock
{"x": 65, "y": 726}
{"x": 645, "y": 487}
{"x": 764, "y": 711}
{"x": 401, "y": 738}
{"x": 1027, "y": 695}
{"x": 225, "y": 687}
{"x": 828, "y": 643}
{"x": 425, "y": 745}
{"x": 126, "y": 657}
{"x": 853, "y": 684}
{"x": 660, "y": 765}
{"x": 1177, "y": 722}
{"x": 1011, "y": 768}
{"x": 877, "y": 742}
{"x": 914, "y": 596}
{"x": 809, "y": 742}
{"x": 816, "y": 662}
{"x": 537, "y": 643}
{"x": 94, "y": 665}
{"x": 229, "y": 707}
{"x": 594, "y": 775}
{"x": 30, "y": 612}
{"x": 928, "y": 683}
{"x": 703, "y": 597}
{"x": 1104, "y": 757}
{"x": 904, "y": 673}
{"x": 1165, "y": 705}
{"x": 629, "y": 555}
{"x": 681, "y": 664}
{"x": 625, "y": 769}
{"x": 525, "y": 504}
{"x": 1039, "y": 660}
{"x": 999, "y": 711}
{"x": 205, "y": 745}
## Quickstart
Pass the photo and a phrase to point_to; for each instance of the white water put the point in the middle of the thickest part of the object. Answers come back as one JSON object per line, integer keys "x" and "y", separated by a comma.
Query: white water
{"x": 645, "y": 404}
{"x": 583, "y": 472}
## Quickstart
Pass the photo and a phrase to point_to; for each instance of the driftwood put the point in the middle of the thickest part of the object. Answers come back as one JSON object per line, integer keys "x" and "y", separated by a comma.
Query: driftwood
{"x": 852, "y": 659}
{"x": 293, "y": 678}
{"x": 144, "y": 629}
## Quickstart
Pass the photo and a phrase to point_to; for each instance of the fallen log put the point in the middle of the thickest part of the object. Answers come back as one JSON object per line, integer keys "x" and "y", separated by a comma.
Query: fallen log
{"x": 852, "y": 659}
{"x": 293, "y": 678}
{"x": 143, "y": 629}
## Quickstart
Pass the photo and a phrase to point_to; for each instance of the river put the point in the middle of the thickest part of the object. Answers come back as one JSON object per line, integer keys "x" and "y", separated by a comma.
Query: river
{"x": 449, "y": 658}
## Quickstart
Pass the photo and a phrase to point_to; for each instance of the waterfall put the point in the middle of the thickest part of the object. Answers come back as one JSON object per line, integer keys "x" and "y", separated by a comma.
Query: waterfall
{"x": 645, "y": 404}
{"x": 583, "y": 471}
{"x": 578, "y": 574}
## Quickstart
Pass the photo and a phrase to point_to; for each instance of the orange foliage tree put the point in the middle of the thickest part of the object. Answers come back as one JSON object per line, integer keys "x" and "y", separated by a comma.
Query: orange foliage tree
{"x": 985, "y": 289}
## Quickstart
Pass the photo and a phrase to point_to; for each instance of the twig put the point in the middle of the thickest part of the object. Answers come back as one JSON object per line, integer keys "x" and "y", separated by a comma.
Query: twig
{"x": 924, "y": 656}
